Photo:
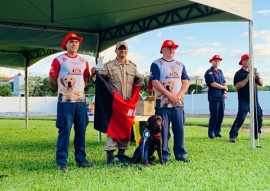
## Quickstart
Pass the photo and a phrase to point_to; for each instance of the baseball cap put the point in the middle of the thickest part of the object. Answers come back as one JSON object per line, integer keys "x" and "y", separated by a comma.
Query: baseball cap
{"x": 121, "y": 43}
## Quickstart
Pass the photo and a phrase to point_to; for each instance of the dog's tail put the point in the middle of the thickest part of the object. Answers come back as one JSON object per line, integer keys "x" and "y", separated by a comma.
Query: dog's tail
{"x": 136, "y": 158}
{"x": 123, "y": 158}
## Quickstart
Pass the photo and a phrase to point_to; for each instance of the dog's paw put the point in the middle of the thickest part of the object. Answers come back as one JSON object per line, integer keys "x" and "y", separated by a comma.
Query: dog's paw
{"x": 162, "y": 162}
{"x": 151, "y": 159}
{"x": 145, "y": 163}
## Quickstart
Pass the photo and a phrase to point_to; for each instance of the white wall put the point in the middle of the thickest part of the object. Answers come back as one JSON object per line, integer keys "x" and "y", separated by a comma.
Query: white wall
{"x": 198, "y": 103}
{"x": 15, "y": 106}
{"x": 194, "y": 105}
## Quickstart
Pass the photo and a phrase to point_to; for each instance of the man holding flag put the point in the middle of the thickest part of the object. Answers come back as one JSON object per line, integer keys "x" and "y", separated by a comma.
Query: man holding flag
{"x": 115, "y": 101}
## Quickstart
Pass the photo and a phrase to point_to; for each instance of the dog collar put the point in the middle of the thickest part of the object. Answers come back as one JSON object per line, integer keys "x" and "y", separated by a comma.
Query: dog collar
{"x": 157, "y": 135}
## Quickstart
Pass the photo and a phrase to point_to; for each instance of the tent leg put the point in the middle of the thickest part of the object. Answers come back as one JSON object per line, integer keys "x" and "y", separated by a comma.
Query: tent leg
{"x": 99, "y": 133}
{"x": 26, "y": 95}
{"x": 251, "y": 85}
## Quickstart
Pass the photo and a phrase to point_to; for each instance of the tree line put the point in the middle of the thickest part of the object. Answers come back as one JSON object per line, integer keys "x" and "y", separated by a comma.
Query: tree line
{"x": 39, "y": 87}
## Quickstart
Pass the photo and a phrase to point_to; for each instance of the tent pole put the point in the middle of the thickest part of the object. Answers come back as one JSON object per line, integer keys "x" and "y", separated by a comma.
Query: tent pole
{"x": 251, "y": 85}
{"x": 99, "y": 133}
{"x": 26, "y": 93}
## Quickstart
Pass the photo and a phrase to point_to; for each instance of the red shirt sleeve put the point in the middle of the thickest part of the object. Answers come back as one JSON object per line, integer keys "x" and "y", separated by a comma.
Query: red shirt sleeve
{"x": 55, "y": 68}
{"x": 86, "y": 72}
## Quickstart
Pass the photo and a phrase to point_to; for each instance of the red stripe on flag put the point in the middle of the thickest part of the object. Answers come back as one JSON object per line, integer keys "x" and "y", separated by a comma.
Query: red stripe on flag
{"x": 123, "y": 114}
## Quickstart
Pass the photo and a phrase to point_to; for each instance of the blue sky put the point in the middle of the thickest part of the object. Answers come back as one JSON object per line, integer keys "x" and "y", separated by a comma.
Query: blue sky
{"x": 198, "y": 43}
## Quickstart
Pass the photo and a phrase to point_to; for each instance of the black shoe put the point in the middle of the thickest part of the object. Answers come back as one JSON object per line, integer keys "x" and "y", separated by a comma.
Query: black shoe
{"x": 218, "y": 135}
{"x": 121, "y": 152}
{"x": 232, "y": 140}
{"x": 211, "y": 136}
{"x": 165, "y": 161}
{"x": 63, "y": 168}
{"x": 85, "y": 164}
{"x": 110, "y": 158}
{"x": 183, "y": 159}
{"x": 258, "y": 136}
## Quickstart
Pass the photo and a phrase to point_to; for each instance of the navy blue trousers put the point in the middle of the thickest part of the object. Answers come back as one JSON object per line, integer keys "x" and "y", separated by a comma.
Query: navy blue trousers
{"x": 243, "y": 109}
{"x": 216, "y": 117}
{"x": 176, "y": 116}
{"x": 67, "y": 115}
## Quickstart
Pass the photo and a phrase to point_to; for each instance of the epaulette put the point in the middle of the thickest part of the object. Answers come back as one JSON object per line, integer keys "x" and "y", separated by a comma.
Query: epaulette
{"x": 108, "y": 62}
{"x": 132, "y": 63}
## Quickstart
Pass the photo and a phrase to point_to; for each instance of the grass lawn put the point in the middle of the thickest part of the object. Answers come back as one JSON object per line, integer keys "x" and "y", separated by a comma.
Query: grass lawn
{"x": 27, "y": 157}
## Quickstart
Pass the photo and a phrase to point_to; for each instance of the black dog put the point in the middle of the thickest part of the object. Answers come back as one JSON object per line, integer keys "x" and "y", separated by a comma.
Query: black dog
{"x": 149, "y": 143}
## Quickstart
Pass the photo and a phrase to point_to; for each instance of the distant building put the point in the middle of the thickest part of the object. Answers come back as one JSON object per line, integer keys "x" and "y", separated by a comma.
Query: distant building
{"x": 196, "y": 80}
{"x": 6, "y": 80}
{"x": 18, "y": 84}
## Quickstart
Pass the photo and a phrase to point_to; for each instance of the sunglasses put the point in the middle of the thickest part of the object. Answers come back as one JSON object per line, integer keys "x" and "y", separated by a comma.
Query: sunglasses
{"x": 122, "y": 48}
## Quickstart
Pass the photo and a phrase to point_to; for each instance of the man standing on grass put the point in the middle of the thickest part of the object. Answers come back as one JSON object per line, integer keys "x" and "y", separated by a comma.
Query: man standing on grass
{"x": 122, "y": 78}
{"x": 170, "y": 82}
{"x": 241, "y": 83}
{"x": 69, "y": 74}
{"x": 217, "y": 93}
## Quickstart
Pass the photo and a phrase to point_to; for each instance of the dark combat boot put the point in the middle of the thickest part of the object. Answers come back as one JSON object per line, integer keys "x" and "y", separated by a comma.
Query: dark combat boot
{"x": 121, "y": 151}
{"x": 110, "y": 158}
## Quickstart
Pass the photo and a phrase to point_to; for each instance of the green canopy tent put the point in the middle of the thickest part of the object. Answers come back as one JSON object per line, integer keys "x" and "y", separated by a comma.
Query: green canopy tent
{"x": 33, "y": 29}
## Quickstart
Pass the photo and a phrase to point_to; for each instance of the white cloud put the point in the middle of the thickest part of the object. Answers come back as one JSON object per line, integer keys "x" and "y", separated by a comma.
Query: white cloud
{"x": 159, "y": 34}
{"x": 7, "y": 72}
{"x": 264, "y": 12}
{"x": 198, "y": 72}
{"x": 135, "y": 40}
{"x": 143, "y": 68}
{"x": 263, "y": 35}
{"x": 262, "y": 53}
{"x": 135, "y": 56}
{"x": 206, "y": 44}
{"x": 229, "y": 74}
{"x": 200, "y": 51}
{"x": 109, "y": 54}
{"x": 41, "y": 73}
{"x": 245, "y": 34}
{"x": 235, "y": 53}
{"x": 189, "y": 37}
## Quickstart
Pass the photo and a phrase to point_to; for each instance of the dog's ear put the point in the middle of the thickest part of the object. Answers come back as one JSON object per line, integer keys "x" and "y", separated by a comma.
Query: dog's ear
{"x": 149, "y": 121}
{"x": 159, "y": 118}
{"x": 172, "y": 85}
{"x": 73, "y": 81}
{"x": 63, "y": 82}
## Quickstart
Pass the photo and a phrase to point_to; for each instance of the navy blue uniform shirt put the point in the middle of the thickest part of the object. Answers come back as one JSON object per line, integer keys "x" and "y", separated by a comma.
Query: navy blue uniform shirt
{"x": 243, "y": 93}
{"x": 211, "y": 75}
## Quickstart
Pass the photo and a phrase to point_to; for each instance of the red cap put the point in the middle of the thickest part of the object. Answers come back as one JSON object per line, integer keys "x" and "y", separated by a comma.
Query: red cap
{"x": 243, "y": 57}
{"x": 68, "y": 37}
{"x": 168, "y": 43}
{"x": 215, "y": 57}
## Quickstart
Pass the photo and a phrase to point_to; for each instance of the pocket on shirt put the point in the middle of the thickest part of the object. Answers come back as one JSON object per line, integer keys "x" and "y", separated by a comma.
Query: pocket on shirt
{"x": 114, "y": 78}
{"x": 130, "y": 77}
